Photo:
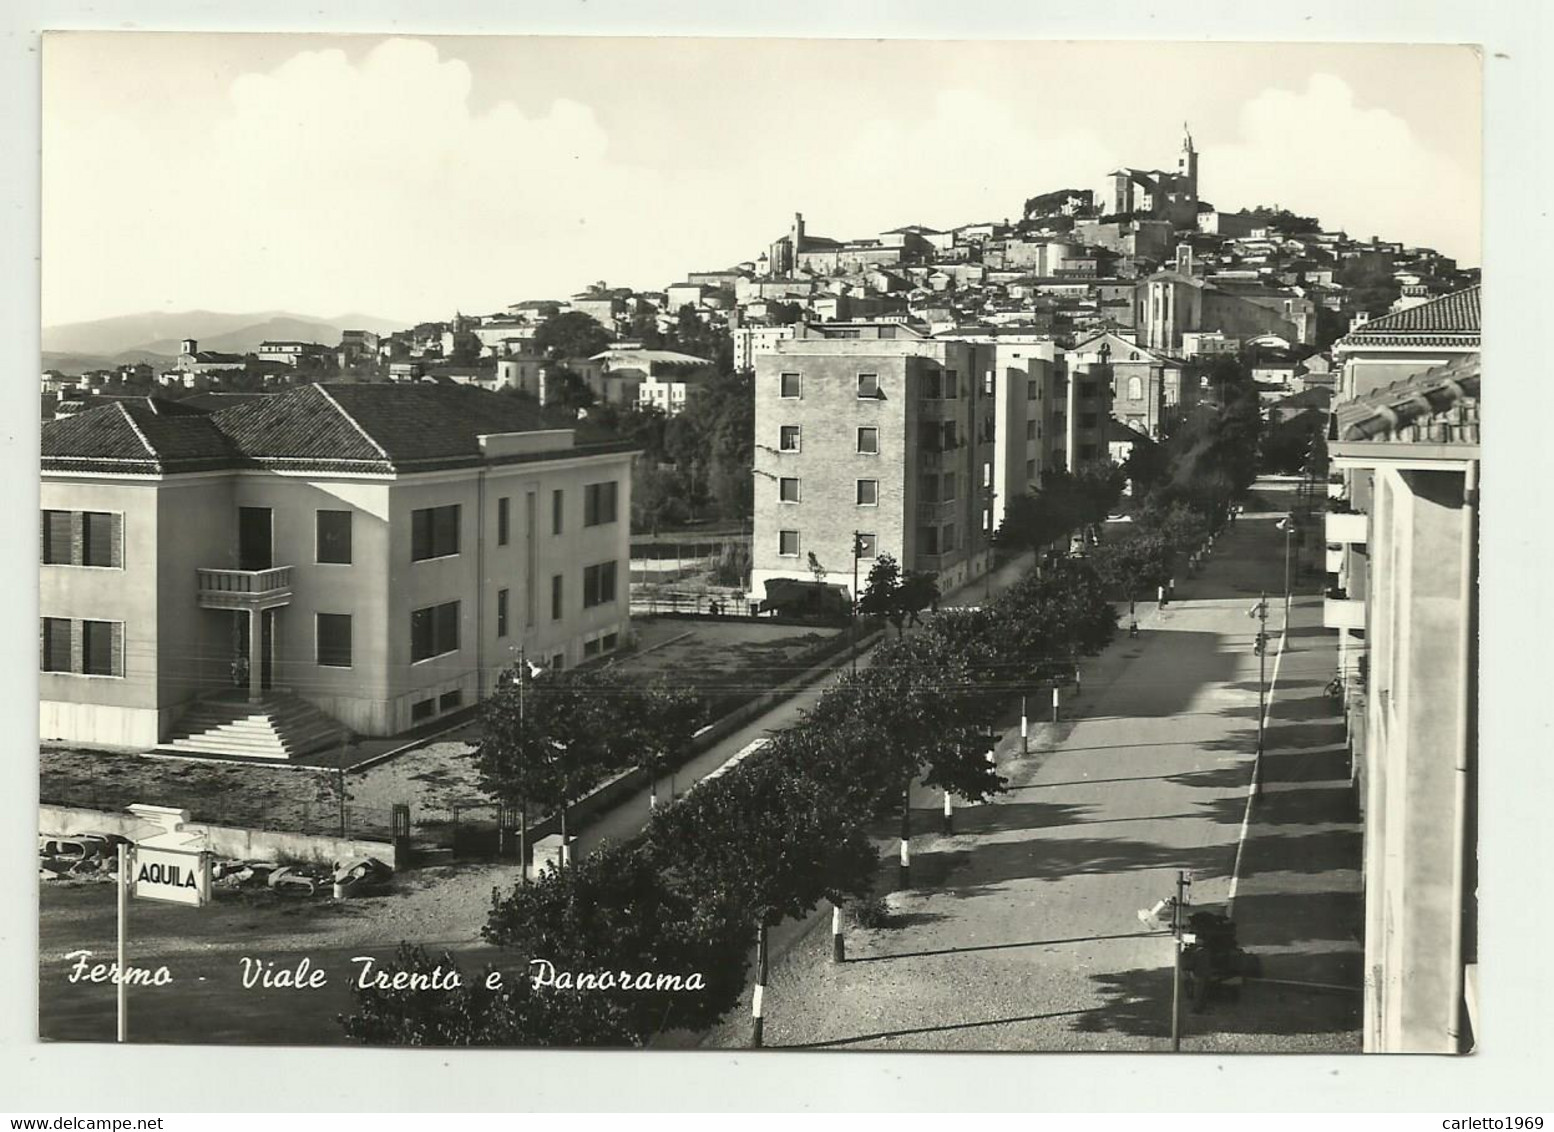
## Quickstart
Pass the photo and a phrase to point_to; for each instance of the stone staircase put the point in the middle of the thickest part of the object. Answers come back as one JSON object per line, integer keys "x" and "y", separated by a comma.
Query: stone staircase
{"x": 278, "y": 728}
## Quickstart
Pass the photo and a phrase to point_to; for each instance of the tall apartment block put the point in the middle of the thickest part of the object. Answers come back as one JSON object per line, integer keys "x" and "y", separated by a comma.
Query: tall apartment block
{"x": 883, "y": 432}
{"x": 360, "y": 558}
{"x": 915, "y": 443}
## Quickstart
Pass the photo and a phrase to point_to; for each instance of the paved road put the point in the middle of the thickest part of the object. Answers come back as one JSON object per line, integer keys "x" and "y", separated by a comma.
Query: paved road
{"x": 1020, "y": 930}
{"x": 207, "y": 1002}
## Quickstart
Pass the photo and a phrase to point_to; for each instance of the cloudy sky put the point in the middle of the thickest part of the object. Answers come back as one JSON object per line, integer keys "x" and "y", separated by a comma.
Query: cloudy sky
{"x": 405, "y": 178}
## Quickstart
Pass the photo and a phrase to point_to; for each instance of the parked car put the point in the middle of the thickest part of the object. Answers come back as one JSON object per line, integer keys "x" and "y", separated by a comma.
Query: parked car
{"x": 362, "y": 876}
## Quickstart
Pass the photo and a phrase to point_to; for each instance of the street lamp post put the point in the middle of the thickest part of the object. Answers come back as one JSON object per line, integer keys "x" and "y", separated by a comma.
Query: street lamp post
{"x": 1287, "y": 525}
{"x": 852, "y": 619}
{"x": 1261, "y": 612}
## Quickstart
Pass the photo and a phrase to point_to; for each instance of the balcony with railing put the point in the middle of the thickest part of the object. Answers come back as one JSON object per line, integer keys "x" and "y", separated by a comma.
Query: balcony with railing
{"x": 244, "y": 589}
{"x": 1346, "y": 528}
{"x": 937, "y": 511}
{"x": 1340, "y": 611}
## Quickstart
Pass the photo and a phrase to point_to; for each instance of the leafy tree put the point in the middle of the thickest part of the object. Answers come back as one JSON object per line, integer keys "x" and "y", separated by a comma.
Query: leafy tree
{"x": 1136, "y": 561}
{"x": 618, "y": 909}
{"x": 571, "y": 335}
{"x": 567, "y": 389}
{"x": 658, "y": 498}
{"x": 658, "y": 724}
{"x": 545, "y": 737}
{"x": 896, "y": 597}
{"x": 472, "y": 1013}
{"x": 765, "y": 839}
{"x": 1048, "y": 620}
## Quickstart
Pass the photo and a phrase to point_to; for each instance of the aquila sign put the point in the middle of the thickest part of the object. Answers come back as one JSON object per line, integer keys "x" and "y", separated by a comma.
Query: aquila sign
{"x": 171, "y": 876}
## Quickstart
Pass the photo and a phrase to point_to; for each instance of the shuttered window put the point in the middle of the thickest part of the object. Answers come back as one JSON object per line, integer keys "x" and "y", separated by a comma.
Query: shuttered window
{"x": 56, "y": 644}
{"x": 101, "y": 648}
{"x": 97, "y": 538}
{"x": 434, "y": 631}
{"x": 334, "y": 640}
{"x": 434, "y": 532}
{"x": 57, "y": 527}
{"x": 83, "y": 538}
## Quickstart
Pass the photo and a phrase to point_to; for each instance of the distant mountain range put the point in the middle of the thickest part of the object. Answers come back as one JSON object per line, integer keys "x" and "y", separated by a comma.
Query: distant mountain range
{"x": 155, "y": 336}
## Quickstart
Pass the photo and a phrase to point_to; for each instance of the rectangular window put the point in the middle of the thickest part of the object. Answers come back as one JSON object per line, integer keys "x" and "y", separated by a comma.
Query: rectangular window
{"x": 558, "y": 507}
{"x": 868, "y": 386}
{"x": 1030, "y": 470}
{"x": 1086, "y": 389}
{"x": 928, "y": 540}
{"x": 1031, "y": 391}
{"x": 56, "y": 642}
{"x": 947, "y": 539}
{"x": 96, "y": 538}
{"x": 57, "y": 537}
{"x": 788, "y": 544}
{"x": 610, "y": 641}
{"x": 950, "y": 439}
{"x": 868, "y": 493}
{"x": 333, "y": 541}
{"x": 869, "y": 440}
{"x": 503, "y": 520}
{"x": 334, "y": 640}
{"x": 599, "y": 585}
{"x": 599, "y": 503}
{"x": 947, "y": 487}
{"x": 789, "y": 438}
{"x": 1087, "y": 420}
{"x": 99, "y": 652}
{"x": 434, "y": 532}
{"x": 557, "y": 597}
{"x": 987, "y": 475}
{"x": 434, "y": 631}
{"x": 422, "y": 710}
{"x": 792, "y": 385}
{"x": 501, "y": 613}
{"x": 987, "y": 383}
{"x": 951, "y": 385}
{"x": 868, "y": 545}
{"x": 450, "y": 700}
{"x": 788, "y": 489}
{"x": 1030, "y": 430}
{"x": 1087, "y": 451}
{"x": 933, "y": 382}
{"x": 928, "y": 488}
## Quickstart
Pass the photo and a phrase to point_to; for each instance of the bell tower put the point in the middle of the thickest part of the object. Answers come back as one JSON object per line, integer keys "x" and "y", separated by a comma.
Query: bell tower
{"x": 1187, "y": 164}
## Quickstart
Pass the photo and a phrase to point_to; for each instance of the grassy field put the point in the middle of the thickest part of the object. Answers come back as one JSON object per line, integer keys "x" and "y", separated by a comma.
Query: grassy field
{"x": 724, "y": 660}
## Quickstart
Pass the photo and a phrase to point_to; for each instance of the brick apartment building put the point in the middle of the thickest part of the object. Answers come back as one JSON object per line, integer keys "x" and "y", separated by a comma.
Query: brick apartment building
{"x": 915, "y": 443}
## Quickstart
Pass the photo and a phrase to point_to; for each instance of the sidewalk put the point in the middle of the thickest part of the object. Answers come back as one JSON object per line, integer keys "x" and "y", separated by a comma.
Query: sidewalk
{"x": 1020, "y": 931}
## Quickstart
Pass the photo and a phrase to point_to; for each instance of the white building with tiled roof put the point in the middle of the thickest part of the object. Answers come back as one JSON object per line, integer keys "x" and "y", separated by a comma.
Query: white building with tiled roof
{"x": 258, "y": 581}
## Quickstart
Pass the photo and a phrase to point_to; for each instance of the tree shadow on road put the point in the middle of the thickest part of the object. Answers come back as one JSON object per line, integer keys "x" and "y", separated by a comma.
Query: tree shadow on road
{"x": 1138, "y": 1003}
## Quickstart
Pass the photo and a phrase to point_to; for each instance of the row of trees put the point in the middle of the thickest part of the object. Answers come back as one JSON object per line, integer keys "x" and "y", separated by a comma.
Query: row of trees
{"x": 768, "y": 840}
{"x": 1066, "y": 502}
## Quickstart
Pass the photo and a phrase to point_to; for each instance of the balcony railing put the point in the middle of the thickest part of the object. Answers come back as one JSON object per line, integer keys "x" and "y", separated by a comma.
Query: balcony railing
{"x": 1346, "y": 528}
{"x": 1343, "y": 613}
{"x": 936, "y": 512}
{"x": 242, "y": 589}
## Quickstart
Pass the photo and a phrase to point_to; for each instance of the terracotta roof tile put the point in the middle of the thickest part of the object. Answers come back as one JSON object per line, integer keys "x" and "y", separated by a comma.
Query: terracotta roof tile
{"x": 1457, "y": 313}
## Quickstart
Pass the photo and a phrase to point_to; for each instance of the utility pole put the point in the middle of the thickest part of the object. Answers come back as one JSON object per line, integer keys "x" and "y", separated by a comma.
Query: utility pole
{"x": 1178, "y": 926}
{"x": 1289, "y": 531}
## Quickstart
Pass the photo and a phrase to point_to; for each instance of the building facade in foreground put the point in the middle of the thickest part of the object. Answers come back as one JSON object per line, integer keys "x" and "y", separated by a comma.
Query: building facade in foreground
{"x": 357, "y": 557}
{"x": 1406, "y": 439}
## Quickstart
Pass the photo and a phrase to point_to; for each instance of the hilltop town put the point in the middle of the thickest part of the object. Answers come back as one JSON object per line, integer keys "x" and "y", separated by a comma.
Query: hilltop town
{"x": 694, "y": 599}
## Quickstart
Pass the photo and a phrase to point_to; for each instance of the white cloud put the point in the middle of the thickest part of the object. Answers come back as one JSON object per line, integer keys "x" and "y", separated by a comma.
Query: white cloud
{"x": 1361, "y": 169}
{"x": 327, "y": 185}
